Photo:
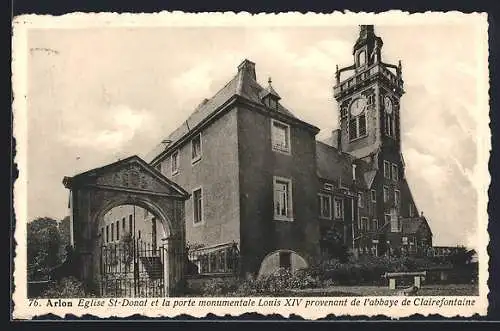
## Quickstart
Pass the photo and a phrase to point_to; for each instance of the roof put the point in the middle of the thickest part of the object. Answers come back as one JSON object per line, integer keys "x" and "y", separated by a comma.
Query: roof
{"x": 412, "y": 225}
{"x": 333, "y": 164}
{"x": 243, "y": 84}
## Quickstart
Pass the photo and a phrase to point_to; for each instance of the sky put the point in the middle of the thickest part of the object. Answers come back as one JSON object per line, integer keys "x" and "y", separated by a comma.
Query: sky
{"x": 96, "y": 95}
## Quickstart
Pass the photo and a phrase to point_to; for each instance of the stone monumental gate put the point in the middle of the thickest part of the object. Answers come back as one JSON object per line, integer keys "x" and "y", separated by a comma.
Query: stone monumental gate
{"x": 131, "y": 181}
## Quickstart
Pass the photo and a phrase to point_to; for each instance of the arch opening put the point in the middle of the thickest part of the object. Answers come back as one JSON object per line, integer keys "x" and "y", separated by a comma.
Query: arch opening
{"x": 132, "y": 251}
{"x": 282, "y": 258}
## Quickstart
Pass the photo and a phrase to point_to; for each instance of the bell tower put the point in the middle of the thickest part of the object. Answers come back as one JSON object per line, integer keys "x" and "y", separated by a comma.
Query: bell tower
{"x": 368, "y": 99}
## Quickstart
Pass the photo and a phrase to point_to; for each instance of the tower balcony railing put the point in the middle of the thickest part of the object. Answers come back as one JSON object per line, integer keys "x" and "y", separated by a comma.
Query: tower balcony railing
{"x": 353, "y": 82}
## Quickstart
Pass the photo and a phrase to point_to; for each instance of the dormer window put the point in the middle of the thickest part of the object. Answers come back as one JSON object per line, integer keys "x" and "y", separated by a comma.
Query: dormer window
{"x": 272, "y": 103}
{"x": 270, "y": 97}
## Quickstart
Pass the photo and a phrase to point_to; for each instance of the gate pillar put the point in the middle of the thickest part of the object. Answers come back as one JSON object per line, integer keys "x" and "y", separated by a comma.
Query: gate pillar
{"x": 173, "y": 266}
{"x": 166, "y": 266}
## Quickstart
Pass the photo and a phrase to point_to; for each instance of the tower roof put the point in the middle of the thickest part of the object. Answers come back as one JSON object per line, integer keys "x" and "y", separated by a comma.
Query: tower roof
{"x": 367, "y": 36}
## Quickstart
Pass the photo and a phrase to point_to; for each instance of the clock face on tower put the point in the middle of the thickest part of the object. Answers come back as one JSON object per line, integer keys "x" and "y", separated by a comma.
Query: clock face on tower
{"x": 388, "y": 105}
{"x": 357, "y": 106}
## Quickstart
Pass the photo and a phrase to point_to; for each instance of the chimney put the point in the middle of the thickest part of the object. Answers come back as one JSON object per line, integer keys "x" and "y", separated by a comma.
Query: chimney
{"x": 247, "y": 66}
{"x": 335, "y": 139}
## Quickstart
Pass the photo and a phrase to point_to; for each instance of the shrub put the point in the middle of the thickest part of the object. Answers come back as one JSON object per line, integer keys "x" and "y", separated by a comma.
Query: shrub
{"x": 69, "y": 287}
{"x": 219, "y": 286}
{"x": 279, "y": 282}
{"x": 368, "y": 269}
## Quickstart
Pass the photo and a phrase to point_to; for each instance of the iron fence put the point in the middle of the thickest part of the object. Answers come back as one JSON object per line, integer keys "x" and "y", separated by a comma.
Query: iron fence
{"x": 132, "y": 269}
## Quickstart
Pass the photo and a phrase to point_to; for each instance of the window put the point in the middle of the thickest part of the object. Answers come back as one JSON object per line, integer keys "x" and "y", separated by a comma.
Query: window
{"x": 339, "y": 208}
{"x": 272, "y": 103}
{"x": 107, "y": 233}
{"x": 361, "y": 58}
{"x": 374, "y": 224}
{"x": 404, "y": 240}
{"x": 117, "y": 230}
{"x": 395, "y": 224}
{"x": 130, "y": 225}
{"x": 343, "y": 111}
{"x": 397, "y": 199}
{"x": 328, "y": 187}
{"x": 410, "y": 209}
{"x": 196, "y": 148}
{"x": 357, "y": 126}
{"x": 123, "y": 224}
{"x": 285, "y": 260}
{"x": 370, "y": 99}
{"x": 373, "y": 195}
{"x": 174, "y": 162}
{"x": 395, "y": 172}
{"x": 386, "y": 194}
{"x": 361, "y": 200}
{"x": 325, "y": 206}
{"x": 387, "y": 218}
{"x": 364, "y": 224}
{"x": 280, "y": 137}
{"x": 153, "y": 232}
{"x": 282, "y": 199}
{"x": 112, "y": 232}
{"x": 197, "y": 206}
{"x": 389, "y": 124}
{"x": 387, "y": 170}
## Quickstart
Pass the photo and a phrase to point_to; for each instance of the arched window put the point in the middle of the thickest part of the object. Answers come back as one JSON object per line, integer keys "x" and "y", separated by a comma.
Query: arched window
{"x": 357, "y": 120}
{"x": 357, "y": 126}
{"x": 389, "y": 117}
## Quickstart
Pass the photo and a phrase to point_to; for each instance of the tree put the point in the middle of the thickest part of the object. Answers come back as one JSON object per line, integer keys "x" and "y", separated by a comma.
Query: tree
{"x": 461, "y": 256}
{"x": 64, "y": 231}
{"x": 43, "y": 244}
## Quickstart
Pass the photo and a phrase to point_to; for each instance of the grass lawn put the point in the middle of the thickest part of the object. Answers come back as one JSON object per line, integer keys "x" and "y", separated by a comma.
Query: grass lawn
{"x": 431, "y": 290}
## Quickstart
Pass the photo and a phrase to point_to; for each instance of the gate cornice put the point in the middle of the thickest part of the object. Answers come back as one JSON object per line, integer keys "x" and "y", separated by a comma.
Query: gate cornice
{"x": 132, "y": 191}
{"x": 132, "y": 174}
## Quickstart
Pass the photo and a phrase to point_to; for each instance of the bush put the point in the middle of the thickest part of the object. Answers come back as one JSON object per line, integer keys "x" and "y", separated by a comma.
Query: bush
{"x": 279, "y": 282}
{"x": 219, "y": 286}
{"x": 368, "y": 269}
{"x": 69, "y": 287}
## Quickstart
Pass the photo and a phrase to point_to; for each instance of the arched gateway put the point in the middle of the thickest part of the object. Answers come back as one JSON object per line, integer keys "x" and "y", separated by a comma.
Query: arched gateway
{"x": 134, "y": 182}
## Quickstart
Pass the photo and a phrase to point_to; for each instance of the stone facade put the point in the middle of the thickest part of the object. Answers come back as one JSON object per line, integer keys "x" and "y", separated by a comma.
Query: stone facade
{"x": 260, "y": 181}
{"x": 127, "y": 182}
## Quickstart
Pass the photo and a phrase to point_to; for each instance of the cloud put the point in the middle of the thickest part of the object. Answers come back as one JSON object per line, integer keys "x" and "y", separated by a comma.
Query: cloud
{"x": 117, "y": 126}
{"x": 195, "y": 80}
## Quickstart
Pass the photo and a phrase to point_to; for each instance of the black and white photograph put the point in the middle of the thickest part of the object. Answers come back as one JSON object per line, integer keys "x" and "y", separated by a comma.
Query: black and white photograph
{"x": 231, "y": 163}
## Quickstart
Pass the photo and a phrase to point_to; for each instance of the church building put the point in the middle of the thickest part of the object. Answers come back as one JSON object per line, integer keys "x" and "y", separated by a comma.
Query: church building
{"x": 261, "y": 184}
